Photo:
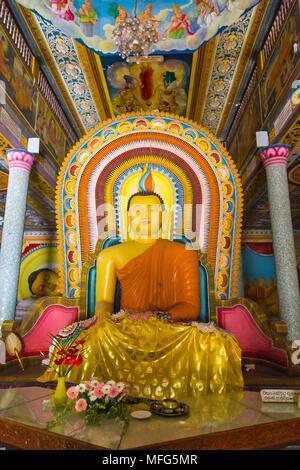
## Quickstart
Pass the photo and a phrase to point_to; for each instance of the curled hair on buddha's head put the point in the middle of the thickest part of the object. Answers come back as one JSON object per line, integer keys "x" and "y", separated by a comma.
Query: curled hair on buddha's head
{"x": 146, "y": 187}
{"x": 146, "y": 193}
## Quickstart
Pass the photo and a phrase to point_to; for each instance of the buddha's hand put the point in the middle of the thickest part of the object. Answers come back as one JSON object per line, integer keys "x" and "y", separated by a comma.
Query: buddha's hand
{"x": 163, "y": 316}
{"x": 139, "y": 315}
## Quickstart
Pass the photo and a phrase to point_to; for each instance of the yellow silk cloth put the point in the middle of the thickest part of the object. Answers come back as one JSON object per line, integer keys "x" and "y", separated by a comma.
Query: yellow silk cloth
{"x": 159, "y": 359}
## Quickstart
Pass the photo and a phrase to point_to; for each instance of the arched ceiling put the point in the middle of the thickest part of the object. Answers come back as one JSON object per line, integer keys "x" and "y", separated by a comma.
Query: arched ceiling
{"x": 207, "y": 81}
{"x": 180, "y": 27}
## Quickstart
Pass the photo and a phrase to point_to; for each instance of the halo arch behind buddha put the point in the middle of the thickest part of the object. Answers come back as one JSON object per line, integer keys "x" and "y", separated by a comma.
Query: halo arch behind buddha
{"x": 191, "y": 169}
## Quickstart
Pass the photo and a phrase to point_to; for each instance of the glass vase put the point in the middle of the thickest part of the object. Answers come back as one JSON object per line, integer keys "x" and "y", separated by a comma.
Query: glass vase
{"x": 60, "y": 395}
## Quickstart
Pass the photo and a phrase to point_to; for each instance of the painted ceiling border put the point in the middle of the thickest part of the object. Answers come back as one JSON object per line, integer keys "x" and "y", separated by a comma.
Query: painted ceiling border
{"x": 257, "y": 21}
{"x": 93, "y": 71}
{"x": 221, "y": 78}
{"x": 67, "y": 61}
{"x": 202, "y": 67}
{"x": 50, "y": 63}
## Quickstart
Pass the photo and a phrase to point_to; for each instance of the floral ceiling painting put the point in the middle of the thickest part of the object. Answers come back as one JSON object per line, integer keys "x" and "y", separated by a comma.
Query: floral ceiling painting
{"x": 181, "y": 26}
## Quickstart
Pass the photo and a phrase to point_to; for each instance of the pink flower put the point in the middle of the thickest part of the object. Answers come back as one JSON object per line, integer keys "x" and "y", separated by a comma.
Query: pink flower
{"x": 113, "y": 391}
{"x": 98, "y": 391}
{"x": 72, "y": 393}
{"x": 81, "y": 405}
{"x": 88, "y": 386}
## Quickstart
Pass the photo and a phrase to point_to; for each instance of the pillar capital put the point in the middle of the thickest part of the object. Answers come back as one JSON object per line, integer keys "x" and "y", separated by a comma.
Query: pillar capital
{"x": 20, "y": 158}
{"x": 275, "y": 154}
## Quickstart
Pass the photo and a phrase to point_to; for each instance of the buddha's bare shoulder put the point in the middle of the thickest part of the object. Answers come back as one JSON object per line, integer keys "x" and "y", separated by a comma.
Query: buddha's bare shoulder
{"x": 111, "y": 251}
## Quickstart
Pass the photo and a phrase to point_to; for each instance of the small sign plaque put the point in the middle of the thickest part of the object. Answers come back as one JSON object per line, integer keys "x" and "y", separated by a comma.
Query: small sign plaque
{"x": 280, "y": 396}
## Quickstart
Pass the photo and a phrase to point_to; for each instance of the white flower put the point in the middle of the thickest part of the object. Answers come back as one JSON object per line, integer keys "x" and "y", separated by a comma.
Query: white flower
{"x": 92, "y": 397}
{"x": 46, "y": 361}
{"x": 121, "y": 386}
{"x": 94, "y": 383}
{"x": 81, "y": 388}
{"x": 106, "y": 389}
{"x": 111, "y": 382}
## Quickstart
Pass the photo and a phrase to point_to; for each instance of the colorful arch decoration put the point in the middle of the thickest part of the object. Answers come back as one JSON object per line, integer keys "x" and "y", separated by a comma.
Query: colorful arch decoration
{"x": 188, "y": 164}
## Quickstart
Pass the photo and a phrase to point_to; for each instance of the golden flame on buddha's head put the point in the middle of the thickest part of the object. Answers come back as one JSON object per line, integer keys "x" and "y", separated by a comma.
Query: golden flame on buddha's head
{"x": 146, "y": 183}
{"x": 146, "y": 188}
{"x": 145, "y": 209}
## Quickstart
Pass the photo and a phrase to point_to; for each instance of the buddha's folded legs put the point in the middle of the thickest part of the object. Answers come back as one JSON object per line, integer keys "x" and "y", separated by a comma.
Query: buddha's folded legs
{"x": 159, "y": 359}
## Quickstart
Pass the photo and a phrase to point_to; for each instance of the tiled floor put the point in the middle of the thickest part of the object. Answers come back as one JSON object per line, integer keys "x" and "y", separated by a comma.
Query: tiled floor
{"x": 209, "y": 414}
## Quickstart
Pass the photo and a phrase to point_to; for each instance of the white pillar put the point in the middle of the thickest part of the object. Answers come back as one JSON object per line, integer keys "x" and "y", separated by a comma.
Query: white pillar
{"x": 20, "y": 162}
{"x": 275, "y": 161}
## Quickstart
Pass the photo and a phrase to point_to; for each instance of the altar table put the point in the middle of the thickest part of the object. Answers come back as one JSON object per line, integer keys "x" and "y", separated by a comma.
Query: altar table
{"x": 231, "y": 421}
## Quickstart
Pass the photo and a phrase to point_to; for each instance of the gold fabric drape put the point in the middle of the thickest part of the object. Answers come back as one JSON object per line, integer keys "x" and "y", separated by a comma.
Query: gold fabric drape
{"x": 159, "y": 359}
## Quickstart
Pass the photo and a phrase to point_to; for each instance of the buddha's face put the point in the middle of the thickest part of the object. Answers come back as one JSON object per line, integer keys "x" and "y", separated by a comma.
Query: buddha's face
{"x": 144, "y": 218}
{"x": 45, "y": 283}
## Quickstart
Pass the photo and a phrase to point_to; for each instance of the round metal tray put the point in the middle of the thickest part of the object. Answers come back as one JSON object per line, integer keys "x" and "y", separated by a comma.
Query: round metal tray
{"x": 159, "y": 409}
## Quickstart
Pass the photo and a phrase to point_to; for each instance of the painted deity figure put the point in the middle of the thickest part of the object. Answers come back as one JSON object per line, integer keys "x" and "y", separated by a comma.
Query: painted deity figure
{"x": 147, "y": 16}
{"x": 88, "y": 18}
{"x": 170, "y": 96}
{"x": 180, "y": 25}
{"x": 126, "y": 101}
{"x": 122, "y": 15}
{"x": 210, "y": 9}
{"x": 61, "y": 8}
{"x": 155, "y": 343}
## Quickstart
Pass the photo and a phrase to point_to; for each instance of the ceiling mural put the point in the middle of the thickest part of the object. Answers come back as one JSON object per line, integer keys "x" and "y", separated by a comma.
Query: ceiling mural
{"x": 180, "y": 26}
{"x": 155, "y": 85}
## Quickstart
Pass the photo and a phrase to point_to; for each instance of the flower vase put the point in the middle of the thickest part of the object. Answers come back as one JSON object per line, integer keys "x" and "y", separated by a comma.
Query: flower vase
{"x": 60, "y": 395}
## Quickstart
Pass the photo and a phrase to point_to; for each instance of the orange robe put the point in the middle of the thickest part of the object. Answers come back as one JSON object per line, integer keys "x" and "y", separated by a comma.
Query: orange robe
{"x": 165, "y": 277}
{"x": 158, "y": 359}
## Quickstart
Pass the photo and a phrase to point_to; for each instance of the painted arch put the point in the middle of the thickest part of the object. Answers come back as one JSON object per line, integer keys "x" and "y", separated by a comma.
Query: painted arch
{"x": 189, "y": 166}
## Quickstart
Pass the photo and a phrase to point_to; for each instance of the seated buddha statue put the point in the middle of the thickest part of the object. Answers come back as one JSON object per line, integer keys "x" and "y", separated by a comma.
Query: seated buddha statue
{"x": 155, "y": 343}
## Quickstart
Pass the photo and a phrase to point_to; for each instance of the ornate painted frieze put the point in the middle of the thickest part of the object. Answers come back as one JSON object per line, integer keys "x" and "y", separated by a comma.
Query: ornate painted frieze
{"x": 94, "y": 174}
{"x": 227, "y": 56}
{"x": 66, "y": 59}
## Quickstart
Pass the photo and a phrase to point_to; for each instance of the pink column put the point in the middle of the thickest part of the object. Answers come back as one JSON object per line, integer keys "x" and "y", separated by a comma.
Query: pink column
{"x": 275, "y": 158}
{"x": 20, "y": 163}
